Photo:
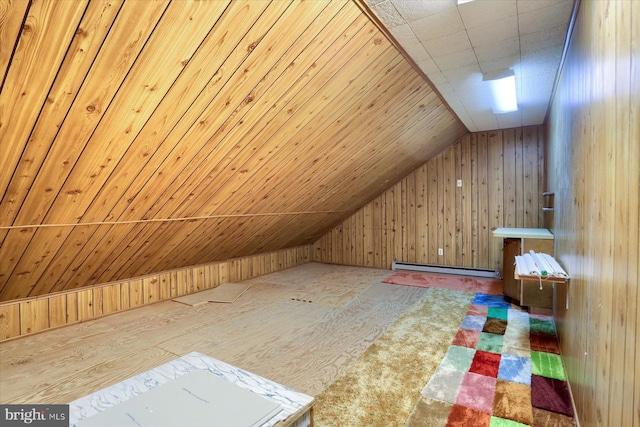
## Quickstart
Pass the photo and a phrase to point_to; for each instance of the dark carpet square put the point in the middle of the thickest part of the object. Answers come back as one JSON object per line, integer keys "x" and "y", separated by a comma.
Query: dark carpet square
{"x": 495, "y": 326}
{"x": 544, "y": 342}
{"x": 551, "y": 394}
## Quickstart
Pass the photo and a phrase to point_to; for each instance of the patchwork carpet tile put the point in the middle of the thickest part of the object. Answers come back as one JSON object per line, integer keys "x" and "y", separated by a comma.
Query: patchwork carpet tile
{"x": 495, "y": 326}
{"x": 497, "y": 313}
{"x": 551, "y": 394}
{"x": 544, "y": 342}
{"x": 466, "y": 338}
{"x": 485, "y": 363}
{"x": 503, "y": 369}
{"x": 444, "y": 385}
{"x": 463, "y": 416}
{"x": 473, "y": 323}
{"x": 515, "y": 368}
{"x": 512, "y": 401}
{"x": 477, "y": 392}
{"x": 490, "y": 342}
{"x": 478, "y": 310}
{"x": 458, "y": 358}
{"x": 544, "y": 326}
{"x": 542, "y": 418}
{"x": 546, "y": 365}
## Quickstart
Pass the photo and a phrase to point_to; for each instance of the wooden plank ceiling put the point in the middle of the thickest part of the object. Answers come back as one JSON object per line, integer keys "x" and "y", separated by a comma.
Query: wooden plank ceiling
{"x": 141, "y": 136}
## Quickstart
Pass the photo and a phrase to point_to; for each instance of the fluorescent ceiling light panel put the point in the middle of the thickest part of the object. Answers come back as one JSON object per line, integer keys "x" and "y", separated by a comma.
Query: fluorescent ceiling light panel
{"x": 464, "y": 1}
{"x": 503, "y": 91}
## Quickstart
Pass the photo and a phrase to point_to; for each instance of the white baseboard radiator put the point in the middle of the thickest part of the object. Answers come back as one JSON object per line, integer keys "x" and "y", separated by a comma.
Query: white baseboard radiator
{"x": 444, "y": 269}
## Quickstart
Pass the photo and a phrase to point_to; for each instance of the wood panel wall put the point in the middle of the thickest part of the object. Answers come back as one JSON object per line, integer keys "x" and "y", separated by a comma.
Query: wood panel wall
{"x": 594, "y": 170}
{"x": 36, "y": 314}
{"x": 502, "y": 175}
{"x": 132, "y": 131}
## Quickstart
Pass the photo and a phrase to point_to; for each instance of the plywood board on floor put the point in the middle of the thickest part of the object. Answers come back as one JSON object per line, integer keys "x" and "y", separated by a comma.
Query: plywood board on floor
{"x": 225, "y": 292}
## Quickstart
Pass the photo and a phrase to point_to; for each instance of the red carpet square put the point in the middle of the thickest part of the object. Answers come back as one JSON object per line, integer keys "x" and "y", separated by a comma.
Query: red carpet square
{"x": 513, "y": 402}
{"x": 485, "y": 363}
{"x": 477, "y": 392}
{"x": 461, "y": 416}
{"x": 551, "y": 394}
{"x": 466, "y": 338}
{"x": 447, "y": 281}
{"x": 544, "y": 343}
{"x": 477, "y": 310}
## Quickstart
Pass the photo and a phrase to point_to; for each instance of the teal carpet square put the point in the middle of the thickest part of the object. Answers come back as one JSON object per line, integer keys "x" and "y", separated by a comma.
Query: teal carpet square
{"x": 497, "y": 313}
{"x": 490, "y": 342}
{"x": 542, "y": 326}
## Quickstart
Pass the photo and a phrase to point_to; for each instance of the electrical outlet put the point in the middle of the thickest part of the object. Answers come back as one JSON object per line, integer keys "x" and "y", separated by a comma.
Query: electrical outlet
{"x": 459, "y": 183}
{"x": 440, "y": 251}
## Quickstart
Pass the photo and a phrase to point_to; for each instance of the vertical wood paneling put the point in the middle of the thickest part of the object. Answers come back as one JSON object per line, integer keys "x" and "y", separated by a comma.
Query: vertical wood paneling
{"x": 85, "y": 304}
{"x": 467, "y": 218}
{"x": 9, "y": 320}
{"x": 34, "y": 316}
{"x": 426, "y": 210}
{"x": 593, "y": 164}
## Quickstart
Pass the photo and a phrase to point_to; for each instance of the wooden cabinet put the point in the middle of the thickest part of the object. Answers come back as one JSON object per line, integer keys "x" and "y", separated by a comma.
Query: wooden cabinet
{"x": 518, "y": 241}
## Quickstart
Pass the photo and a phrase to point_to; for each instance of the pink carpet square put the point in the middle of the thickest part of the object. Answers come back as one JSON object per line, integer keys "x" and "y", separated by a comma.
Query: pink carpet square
{"x": 466, "y": 338}
{"x": 478, "y": 310}
{"x": 477, "y": 392}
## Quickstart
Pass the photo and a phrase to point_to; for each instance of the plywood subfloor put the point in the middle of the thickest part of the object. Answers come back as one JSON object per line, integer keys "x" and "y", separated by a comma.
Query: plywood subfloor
{"x": 299, "y": 344}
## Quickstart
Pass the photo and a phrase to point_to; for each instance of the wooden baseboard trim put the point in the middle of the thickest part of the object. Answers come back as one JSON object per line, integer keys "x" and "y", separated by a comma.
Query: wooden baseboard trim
{"x": 36, "y": 314}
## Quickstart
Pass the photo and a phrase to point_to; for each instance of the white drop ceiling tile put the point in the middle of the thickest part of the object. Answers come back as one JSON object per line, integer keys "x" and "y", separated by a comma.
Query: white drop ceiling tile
{"x": 481, "y": 12}
{"x": 419, "y": 54}
{"x": 412, "y": 10}
{"x": 428, "y": 66}
{"x": 551, "y": 37}
{"x": 485, "y": 120}
{"x": 466, "y": 119}
{"x": 489, "y": 33}
{"x": 447, "y": 45}
{"x": 374, "y": 2}
{"x": 403, "y": 34}
{"x": 525, "y": 6}
{"x": 546, "y": 18}
{"x": 499, "y": 49}
{"x": 437, "y": 26}
{"x": 446, "y": 89}
{"x": 509, "y": 120}
{"x": 437, "y": 78}
{"x": 534, "y": 116}
{"x": 510, "y": 61}
{"x": 456, "y": 59}
{"x": 388, "y": 14}
{"x": 462, "y": 73}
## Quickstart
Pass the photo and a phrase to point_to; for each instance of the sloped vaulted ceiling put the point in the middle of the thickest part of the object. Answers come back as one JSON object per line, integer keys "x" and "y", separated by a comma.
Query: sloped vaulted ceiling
{"x": 140, "y": 136}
